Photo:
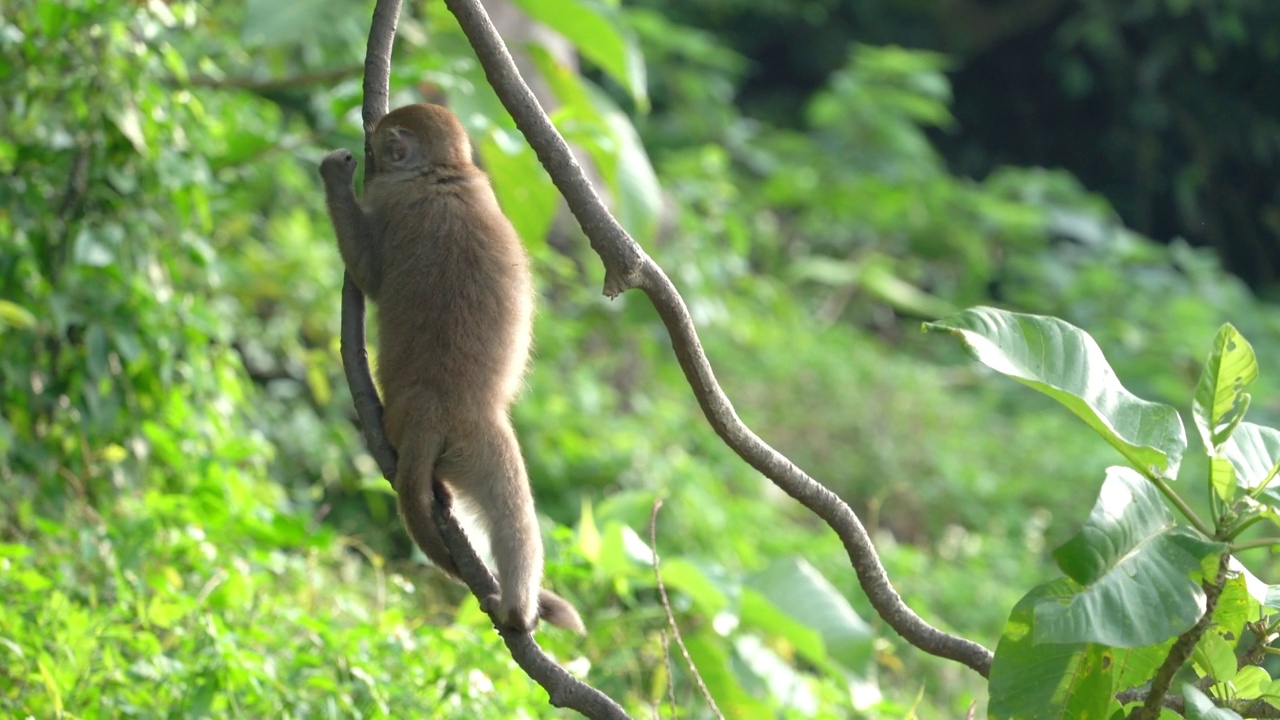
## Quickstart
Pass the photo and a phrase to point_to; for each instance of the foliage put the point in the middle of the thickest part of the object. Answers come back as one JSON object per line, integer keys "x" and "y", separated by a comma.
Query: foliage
{"x": 1156, "y": 104}
{"x": 189, "y": 525}
{"x": 1136, "y": 575}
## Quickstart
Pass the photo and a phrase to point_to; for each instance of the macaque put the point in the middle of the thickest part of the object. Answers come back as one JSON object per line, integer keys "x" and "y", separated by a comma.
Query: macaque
{"x": 450, "y": 280}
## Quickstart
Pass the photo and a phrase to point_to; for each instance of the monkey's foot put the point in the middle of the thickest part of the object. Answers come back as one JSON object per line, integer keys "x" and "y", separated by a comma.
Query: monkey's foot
{"x": 514, "y": 618}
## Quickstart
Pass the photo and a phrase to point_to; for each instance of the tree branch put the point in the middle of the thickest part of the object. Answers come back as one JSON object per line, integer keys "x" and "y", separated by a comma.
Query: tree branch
{"x": 627, "y": 266}
{"x": 355, "y": 358}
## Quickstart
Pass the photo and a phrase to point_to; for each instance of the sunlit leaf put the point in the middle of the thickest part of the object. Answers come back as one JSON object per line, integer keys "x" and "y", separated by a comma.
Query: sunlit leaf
{"x": 1222, "y": 476}
{"x": 1200, "y": 707}
{"x": 1253, "y": 451}
{"x": 14, "y": 315}
{"x": 1215, "y": 657}
{"x": 598, "y": 32}
{"x": 798, "y": 589}
{"x": 1063, "y": 362}
{"x": 1047, "y": 680}
{"x": 1134, "y": 565}
{"x": 1220, "y": 400}
{"x": 1250, "y": 682}
{"x": 591, "y": 120}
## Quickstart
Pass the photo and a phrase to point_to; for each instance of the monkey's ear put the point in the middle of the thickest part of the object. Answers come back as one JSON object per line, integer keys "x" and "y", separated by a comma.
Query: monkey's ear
{"x": 404, "y": 150}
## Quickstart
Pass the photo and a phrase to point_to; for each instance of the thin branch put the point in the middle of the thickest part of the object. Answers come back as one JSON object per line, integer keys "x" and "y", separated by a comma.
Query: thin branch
{"x": 1253, "y": 544}
{"x": 671, "y": 618}
{"x": 627, "y": 266}
{"x": 671, "y": 676}
{"x": 355, "y": 358}
{"x": 565, "y": 690}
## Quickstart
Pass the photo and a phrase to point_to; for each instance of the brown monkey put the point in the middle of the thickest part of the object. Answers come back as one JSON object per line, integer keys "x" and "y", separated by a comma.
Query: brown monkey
{"x": 431, "y": 248}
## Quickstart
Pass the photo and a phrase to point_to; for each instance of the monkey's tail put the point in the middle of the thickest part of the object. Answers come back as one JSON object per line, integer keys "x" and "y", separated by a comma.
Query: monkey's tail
{"x": 557, "y": 611}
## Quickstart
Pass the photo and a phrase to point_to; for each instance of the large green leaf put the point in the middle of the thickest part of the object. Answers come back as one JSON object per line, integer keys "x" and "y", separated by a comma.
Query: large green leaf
{"x": 592, "y": 121}
{"x": 1220, "y": 400}
{"x": 599, "y": 33}
{"x": 1048, "y": 680}
{"x": 1063, "y": 362}
{"x": 524, "y": 191}
{"x": 1134, "y": 564}
{"x": 804, "y": 596}
{"x": 1253, "y": 451}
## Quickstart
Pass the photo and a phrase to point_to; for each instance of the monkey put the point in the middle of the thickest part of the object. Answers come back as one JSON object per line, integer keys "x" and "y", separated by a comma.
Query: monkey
{"x": 453, "y": 294}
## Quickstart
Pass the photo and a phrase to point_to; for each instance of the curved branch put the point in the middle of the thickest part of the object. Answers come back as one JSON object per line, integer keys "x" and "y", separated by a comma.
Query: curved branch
{"x": 627, "y": 266}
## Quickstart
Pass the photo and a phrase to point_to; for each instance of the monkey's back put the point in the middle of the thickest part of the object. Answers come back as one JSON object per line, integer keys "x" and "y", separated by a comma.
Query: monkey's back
{"x": 455, "y": 303}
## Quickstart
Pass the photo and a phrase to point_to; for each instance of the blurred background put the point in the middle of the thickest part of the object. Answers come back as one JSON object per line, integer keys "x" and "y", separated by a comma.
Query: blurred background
{"x": 190, "y": 525}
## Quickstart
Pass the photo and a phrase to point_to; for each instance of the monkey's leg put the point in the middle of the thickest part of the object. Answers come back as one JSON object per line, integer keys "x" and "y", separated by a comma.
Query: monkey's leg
{"x": 414, "y": 475}
{"x": 487, "y": 469}
{"x": 357, "y": 242}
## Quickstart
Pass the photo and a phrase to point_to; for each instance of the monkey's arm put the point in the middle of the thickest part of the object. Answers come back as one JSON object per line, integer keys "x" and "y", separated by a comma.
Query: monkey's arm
{"x": 357, "y": 241}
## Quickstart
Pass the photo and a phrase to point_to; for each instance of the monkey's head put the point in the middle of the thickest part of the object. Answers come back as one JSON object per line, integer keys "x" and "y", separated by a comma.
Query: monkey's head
{"x": 418, "y": 138}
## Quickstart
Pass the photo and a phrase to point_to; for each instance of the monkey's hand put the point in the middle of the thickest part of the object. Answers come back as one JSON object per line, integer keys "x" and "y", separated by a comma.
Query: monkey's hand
{"x": 338, "y": 168}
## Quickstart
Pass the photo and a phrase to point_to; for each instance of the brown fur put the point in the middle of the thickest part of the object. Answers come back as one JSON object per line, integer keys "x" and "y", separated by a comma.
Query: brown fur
{"x": 450, "y": 279}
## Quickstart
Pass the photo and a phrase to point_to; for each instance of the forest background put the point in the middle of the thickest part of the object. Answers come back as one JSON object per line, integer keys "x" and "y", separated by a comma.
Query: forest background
{"x": 190, "y": 525}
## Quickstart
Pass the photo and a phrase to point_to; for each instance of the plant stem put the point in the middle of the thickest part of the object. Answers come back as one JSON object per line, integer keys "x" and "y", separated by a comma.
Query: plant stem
{"x": 1261, "y": 542}
{"x": 1183, "y": 507}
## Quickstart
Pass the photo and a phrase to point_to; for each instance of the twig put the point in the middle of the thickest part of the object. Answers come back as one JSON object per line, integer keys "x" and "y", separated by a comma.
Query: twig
{"x": 627, "y": 266}
{"x": 666, "y": 607}
{"x": 671, "y": 674}
{"x": 355, "y": 358}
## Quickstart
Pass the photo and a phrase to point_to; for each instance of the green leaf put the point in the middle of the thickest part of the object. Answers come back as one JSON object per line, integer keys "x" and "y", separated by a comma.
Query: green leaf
{"x": 709, "y": 592}
{"x": 1214, "y": 657}
{"x": 599, "y": 33}
{"x": 1222, "y": 476}
{"x": 711, "y": 657}
{"x": 1048, "y": 680}
{"x": 592, "y": 121}
{"x": 796, "y": 588}
{"x": 1063, "y": 362}
{"x": 1220, "y": 400}
{"x": 1253, "y": 451}
{"x": 1250, "y": 683}
{"x": 521, "y": 184}
{"x": 1271, "y": 693}
{"x": 1135, "y": 566}
{"x": 877, "y": 274}
{"x": 1240, "y": 602}
{"x": 1200, "y": 707}
{"x": 14, "y": 315}
{"x": 758, "y": 613}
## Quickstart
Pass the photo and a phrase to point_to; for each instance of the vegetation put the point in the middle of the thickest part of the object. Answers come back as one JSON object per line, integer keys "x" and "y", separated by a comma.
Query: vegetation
{"x": 190, "y": 525}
